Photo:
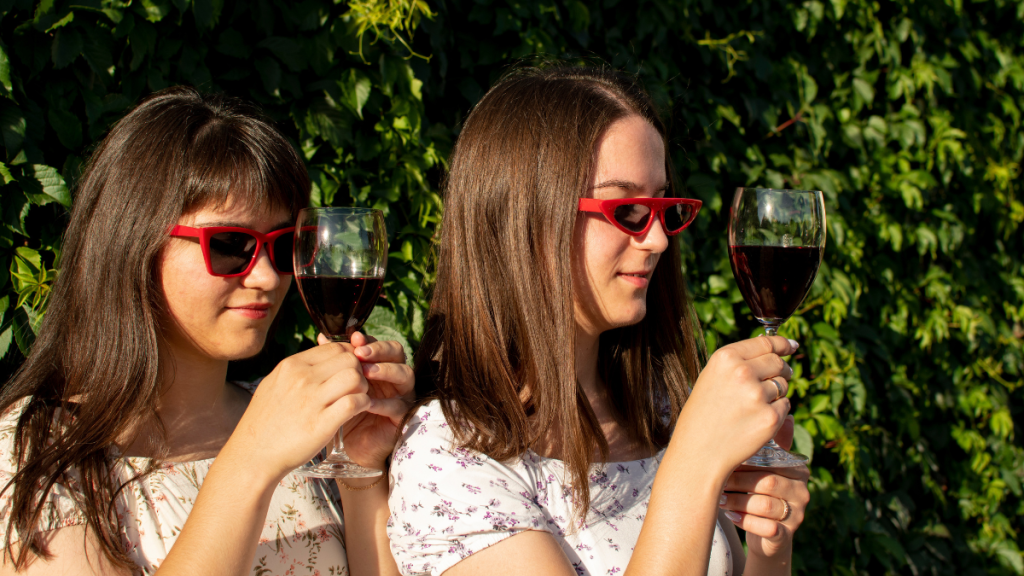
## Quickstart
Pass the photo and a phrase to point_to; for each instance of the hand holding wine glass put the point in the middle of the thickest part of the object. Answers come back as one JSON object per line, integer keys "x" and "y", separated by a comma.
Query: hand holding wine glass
{"x": 340, "y": 255}
{"x": 776, "y": 243}
{"x": 370, "y": 435}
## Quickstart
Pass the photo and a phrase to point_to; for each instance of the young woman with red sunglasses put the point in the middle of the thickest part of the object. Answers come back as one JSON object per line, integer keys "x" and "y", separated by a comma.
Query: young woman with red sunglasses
{"x": 571, "y": 428}
{"x": 121, "y": 436}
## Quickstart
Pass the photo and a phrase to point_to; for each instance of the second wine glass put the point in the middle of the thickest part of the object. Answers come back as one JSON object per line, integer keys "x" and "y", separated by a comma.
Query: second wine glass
{"x": 340, "y": 256}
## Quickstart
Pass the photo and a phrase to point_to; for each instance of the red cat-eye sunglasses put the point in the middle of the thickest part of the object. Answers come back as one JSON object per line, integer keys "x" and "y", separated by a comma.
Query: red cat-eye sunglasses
{"x": 634, "y": 216}
{"x": 230, "y": 251}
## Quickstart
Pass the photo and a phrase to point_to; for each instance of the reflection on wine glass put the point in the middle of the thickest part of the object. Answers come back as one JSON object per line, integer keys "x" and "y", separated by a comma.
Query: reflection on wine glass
{"x": 340, "y": 255}
{"x": 776, "y": 242}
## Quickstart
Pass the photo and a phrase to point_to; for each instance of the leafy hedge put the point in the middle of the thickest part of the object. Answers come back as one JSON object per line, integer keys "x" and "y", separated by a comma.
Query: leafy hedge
{"x": 906, "y": 114}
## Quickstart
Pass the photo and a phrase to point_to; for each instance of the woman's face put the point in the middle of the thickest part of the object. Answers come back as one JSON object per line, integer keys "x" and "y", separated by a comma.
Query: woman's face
{"x": 210, "y": 316}
{"x": 612, "y": 270}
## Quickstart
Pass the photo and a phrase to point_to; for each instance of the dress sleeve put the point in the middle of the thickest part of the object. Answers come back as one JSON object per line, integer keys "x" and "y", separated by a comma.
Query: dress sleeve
{"x": 59, "y": 508}
{"x": 447, "y": 502}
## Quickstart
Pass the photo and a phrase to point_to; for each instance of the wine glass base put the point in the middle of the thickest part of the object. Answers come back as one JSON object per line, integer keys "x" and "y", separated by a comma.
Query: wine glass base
{"x": 337, "y": 470}
{"x": 775, "y": 457}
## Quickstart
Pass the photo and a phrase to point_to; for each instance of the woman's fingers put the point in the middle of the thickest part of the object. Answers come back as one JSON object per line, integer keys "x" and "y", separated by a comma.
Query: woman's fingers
{"x": 780, "y": 482}
{"x": 764, "y": 527}
{"x": 768, "y": 507}
{"x": 399, "y": 376}
{"x": 754, "y": 347}
{"x": 377, "y": 352}
{"x": 393, "y": 409}
{"x": 769, "y": 366}
{"x": 349, "y": 405}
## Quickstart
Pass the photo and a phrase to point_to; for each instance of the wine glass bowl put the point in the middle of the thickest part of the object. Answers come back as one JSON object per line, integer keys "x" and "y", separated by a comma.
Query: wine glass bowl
{"x": 339, "y": 256}
{"x": 776, "y": 244}
{"x": 340, "y": 260}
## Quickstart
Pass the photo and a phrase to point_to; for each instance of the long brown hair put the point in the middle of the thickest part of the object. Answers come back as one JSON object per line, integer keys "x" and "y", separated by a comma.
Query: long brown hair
{"x": 93, "y": 376}
{"x": 499, "y": 349}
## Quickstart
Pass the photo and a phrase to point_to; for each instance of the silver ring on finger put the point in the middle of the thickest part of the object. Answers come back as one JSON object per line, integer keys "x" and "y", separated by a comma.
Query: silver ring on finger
{"x": 786, "y": 511}
{"x": 778, "y": 389}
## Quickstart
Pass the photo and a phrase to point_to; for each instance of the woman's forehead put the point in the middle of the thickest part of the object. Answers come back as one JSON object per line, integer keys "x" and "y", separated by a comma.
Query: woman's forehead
{"x": 236, "y": 209}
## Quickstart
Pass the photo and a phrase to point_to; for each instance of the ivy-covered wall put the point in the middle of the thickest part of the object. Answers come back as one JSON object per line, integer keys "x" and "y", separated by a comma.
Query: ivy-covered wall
{"x": 907, "y": 114}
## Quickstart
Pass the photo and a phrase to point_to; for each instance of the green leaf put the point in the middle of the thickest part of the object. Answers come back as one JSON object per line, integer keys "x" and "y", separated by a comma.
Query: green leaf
{"x": 69, "y": 18}
{"x": 207, "y": 12}
{"x": 5, "y": 74}
{"x": 355, "y": 91}
{"x": 865, "y": 90}
{"x": 67, "y": 45}
{"x": 5, "y": 172}
{"x": 155, "y": 10}
{"x": 67, "y": 127}
{"x": 98, "y": 50}
{"x": 44, "y": 184}
{"x": 287, "y": 51}
{"x": 803, "y": 443}
{"x": 22, "y": 328}
{"x": 6, "y": 337}
{"x": 12, "y": 126}
{"x": 16, "y": 208}
{"x": 270, "y": 73}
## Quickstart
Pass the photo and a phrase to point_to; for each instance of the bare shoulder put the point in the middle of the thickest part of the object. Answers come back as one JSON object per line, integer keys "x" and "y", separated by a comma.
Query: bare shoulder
{"x": 76, "y": 552}
{"x": 527, "y": 552}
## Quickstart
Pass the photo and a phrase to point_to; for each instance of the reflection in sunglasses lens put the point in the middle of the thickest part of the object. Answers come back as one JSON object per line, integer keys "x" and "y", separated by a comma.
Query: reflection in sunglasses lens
{"x": 231, "y": 252}
{"x": 632, "y": 217}
{"x": 677, "y": 216}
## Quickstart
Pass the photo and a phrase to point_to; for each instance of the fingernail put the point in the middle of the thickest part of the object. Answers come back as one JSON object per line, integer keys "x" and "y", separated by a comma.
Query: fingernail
{"x": 363, "y": 351}
{"x": 733, "y": 516}
{"x": 722, "y": 500}
{"x": 370, "y": 369}
{"x": 793, "y": 343}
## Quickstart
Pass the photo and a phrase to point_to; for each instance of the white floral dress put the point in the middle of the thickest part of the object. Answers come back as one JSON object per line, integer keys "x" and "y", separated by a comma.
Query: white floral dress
{"x": 448, "y": 502}
{"x": 302, "y": 534}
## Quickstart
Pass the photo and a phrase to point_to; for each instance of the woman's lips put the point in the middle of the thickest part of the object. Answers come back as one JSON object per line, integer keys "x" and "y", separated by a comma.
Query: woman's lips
{"x": 253, "y": 311}
{"x": 638, "y": 279}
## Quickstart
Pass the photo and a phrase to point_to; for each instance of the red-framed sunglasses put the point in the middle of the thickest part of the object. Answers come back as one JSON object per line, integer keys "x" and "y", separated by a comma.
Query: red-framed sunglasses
{"x": 230, "y": 251}
{"x": 634, "y": 216}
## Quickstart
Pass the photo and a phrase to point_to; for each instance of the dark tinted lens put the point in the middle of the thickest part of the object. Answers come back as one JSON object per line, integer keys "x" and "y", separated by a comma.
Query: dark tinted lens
{"x": 282, "y": 249}
{"x": 633, "y": 217}
{"x": 677, "y": 216}
{"x": 231, "y": 252}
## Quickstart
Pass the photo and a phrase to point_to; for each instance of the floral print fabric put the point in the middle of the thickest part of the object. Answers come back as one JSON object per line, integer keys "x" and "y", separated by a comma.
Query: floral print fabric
{"x": 448, "y": 503}
{"x": 302, "y": 534}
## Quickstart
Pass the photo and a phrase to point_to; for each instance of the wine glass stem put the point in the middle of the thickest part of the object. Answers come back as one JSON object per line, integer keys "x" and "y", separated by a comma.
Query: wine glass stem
{"x": 338, "y": 449}
{"x": 771, "y": 329}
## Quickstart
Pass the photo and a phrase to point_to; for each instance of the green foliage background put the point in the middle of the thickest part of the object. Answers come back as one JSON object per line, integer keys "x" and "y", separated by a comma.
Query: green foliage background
{"x": 907, "y": 114}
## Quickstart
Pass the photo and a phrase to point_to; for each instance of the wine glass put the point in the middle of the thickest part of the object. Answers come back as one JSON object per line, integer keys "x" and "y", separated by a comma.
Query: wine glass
{"x": 340, "y": 255}
{"x": 776, "y": 242}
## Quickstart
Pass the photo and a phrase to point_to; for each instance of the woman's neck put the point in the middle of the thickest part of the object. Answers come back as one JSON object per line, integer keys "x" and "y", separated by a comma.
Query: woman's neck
{"x": 587, "y": 346}
{"x": 197, "y": 407}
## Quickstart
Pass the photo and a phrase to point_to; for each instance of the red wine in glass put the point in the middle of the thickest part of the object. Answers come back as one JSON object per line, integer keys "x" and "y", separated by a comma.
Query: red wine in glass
{"x": 774, "y": 279}
{"x": 339, "y": 305}
{"x": 339, "y": 256}
{"x": 776, "y": 242}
